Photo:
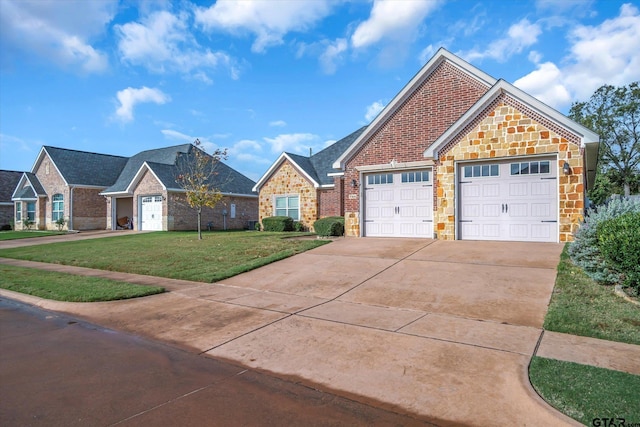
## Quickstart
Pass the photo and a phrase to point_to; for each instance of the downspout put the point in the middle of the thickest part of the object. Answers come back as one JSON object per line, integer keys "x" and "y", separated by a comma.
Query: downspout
{"x": 70, "y": 225}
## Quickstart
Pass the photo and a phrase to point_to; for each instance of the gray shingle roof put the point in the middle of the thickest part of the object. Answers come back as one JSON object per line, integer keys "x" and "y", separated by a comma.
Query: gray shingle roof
{"x": 8, "y": 183}
{"x": 160, "y": 156}
{"x": 163, "y": 163}
{"x": 25, "y": 193}
{"x": 84, "y": 168}
{"x": 319, "y": 165}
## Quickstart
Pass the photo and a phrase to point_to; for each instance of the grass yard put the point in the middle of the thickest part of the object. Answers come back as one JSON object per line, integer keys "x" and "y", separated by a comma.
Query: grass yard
{"x": 12, "y": 235}
{"x": 68, "y": 287}
{"x": 580, "y": 306}
{"x": 177, "y": 255}
{"x": 585, "y": 392}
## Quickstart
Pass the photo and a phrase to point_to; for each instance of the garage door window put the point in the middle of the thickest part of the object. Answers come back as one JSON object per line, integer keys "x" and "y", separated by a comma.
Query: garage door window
{"x": 380, "y": 178}
{"x": 478, "y": 171}
{"x": 530, "y": 168}
{"x": 288, "y": 206}
{"x": 420, "y": 176}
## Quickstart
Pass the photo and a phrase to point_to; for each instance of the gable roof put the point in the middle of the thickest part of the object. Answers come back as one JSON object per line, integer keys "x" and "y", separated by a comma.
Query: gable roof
{"x": 162, "y": 163}
{"x": 316, "y": 167}
{"x": 81, "y": 168}
{"x": 589, "y": 140}
{"x": 396, "y": 103}
{"x": 8, "y": 183}
{"x": 28, "y": 188}
{"x": 160, "y": 156}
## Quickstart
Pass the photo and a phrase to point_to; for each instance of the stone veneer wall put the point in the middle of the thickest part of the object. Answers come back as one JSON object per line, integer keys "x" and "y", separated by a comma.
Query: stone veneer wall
{"x": 432, "y": 108}
{"x": 504, "y": 132}
{"x": 288, "y": 181}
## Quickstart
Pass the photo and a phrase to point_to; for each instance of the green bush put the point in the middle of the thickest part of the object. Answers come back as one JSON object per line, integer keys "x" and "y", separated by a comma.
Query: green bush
{"x": 277, "y": 223}
{"x": 298, "y": 226}
{"x": 619, "y": 244}
{"x": 329, "y": 226}
{"x": 584, "y": 250}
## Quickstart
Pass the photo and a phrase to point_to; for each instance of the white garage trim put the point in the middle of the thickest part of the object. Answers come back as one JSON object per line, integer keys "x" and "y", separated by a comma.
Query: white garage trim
{"x": 397, "y": 203}
{"x": 513, "y": 199}
{"x": 150, "y": 208}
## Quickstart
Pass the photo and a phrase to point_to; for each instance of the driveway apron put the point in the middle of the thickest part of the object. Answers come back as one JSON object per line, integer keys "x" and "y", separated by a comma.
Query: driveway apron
{"x": 440, "y": 329}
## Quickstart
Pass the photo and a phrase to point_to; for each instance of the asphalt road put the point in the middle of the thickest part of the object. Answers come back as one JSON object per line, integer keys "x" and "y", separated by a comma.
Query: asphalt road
{"x": 59, "y": 371}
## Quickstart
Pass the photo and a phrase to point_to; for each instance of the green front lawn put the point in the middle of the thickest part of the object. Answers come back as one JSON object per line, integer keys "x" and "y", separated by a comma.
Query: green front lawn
{"x": 586, "y": 392}
{"x": 177, "y": 255}
{"x": 26, "y": 234}
{"x": 580, "y": 306}
{"x": 67, "y": 287}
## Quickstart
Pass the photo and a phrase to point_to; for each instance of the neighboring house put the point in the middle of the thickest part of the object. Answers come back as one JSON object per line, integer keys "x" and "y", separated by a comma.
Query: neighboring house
{"x": 8, "y": 182}
{"x": 456, "y": 154}
{"x": 97, "y": 191}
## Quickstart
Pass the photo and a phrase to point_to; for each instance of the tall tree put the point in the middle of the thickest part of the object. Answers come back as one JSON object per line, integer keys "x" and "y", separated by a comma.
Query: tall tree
{"x": 197, "y": 176}
{"x": 614, "y": 113}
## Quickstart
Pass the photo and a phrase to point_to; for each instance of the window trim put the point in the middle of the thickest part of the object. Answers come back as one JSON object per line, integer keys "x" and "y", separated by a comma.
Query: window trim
{"x": 56, "y": 214}
{"x": 287, "y": 209}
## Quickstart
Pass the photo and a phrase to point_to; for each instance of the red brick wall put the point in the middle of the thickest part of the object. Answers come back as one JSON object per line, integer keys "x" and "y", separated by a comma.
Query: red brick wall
{"x": 89, "y": 209}
{"x": 330, "y": 202}
{"x": 430, "y": 110}
{"x": 183, "y": 217}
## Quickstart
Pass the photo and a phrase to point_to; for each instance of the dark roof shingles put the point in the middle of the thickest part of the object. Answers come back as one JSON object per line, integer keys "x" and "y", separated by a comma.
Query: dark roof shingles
{"x": 8, "y": 183}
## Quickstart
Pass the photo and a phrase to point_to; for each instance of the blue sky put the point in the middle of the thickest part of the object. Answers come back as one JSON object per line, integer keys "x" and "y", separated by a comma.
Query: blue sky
{"x": 265, "y": 76}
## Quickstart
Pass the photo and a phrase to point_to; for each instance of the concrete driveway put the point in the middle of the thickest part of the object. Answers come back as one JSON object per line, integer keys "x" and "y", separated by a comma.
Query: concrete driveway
{"x": 443, "y": 330}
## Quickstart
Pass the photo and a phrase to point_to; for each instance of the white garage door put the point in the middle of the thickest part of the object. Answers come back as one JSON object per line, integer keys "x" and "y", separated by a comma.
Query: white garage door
{"x": 514, "y": 200}
{"x": 398, "y": 204}
{"x": 151, "y": 213}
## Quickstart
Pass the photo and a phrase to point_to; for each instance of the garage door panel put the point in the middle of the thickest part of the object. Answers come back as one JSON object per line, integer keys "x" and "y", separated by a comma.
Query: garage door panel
{"x": 517, "y": 200}
{"x": 151, "y": 213}
{"x": 396, "y": 204}
{"x": 490, "y": 210}
{"x": 491, "y": 190}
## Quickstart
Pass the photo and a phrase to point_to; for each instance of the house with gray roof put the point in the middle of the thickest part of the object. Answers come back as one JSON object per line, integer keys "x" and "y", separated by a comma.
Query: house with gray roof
{"x": 8, "y": 182}
{"x": 455, "y": 155}
{"x": 305, "y": 188}
{"x": 92, "y": 191}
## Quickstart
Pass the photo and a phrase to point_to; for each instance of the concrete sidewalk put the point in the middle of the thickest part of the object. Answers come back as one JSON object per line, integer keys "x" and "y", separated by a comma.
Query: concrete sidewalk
{"x": 403, "y": 322}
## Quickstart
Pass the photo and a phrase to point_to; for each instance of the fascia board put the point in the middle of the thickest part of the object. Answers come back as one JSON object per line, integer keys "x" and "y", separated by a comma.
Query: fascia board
{"x": 138, "y": 176}
{"x": 503, "y": 87}
{"x": 55, "y": 166}
{"x": 276, "y": 165}
{"x": 426, "y": 71}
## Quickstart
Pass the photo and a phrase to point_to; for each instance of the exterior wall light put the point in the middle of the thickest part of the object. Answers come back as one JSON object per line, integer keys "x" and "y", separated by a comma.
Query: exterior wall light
{"x": 354, "y": 183}
{"x": 566, "y": 168}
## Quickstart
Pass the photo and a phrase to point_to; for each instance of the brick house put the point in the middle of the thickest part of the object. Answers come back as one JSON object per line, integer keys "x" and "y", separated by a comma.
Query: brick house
{"x": 94, "y": 191}
{"x": 8, "y": 182}
{"x": 456, "y": 154}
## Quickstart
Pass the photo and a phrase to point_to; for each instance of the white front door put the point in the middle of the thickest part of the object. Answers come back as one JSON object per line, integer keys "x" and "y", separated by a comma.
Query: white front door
{"x": 151, "y": 213}
{"x": 398, "y": 204}
{"x": 509, "y": 200}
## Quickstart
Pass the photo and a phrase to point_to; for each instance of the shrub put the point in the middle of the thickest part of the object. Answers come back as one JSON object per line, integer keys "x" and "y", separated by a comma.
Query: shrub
{"x": 277, "y": 223}
{"x": 584, "y": 250}
{"x": 329, "y": 226}
{"x": 6, "y": 227}
{"x": 27, "y": 223}
{"x": 619, "y": 243}
{"x": 298, "y": 226}
{"x": 60, "y": 222}
{"x": 257, "y": 227}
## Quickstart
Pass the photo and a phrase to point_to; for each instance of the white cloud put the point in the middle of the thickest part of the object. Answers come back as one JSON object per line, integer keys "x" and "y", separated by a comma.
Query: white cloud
{"x": 162, "y": 42}
{"x": 278, "y": 123}
{"x": 55, "y": 31}
{"x": 608, "y": 53}
{"x": 392, "y": 19}
{"x": 174, "y": 134}
{"x": 519, "y": 36}
{"x": 294, "y": 142}
{"x": 268, "y": 21}
{"x": 129, "y": 97}
{"x": 373, "y": 110}
{"x": 333, "y": 54}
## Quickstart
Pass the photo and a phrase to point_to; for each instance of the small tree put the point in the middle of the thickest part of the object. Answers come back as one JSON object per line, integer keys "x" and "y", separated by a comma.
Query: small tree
{"x": 196, "y": 175}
